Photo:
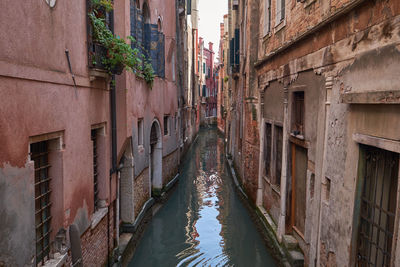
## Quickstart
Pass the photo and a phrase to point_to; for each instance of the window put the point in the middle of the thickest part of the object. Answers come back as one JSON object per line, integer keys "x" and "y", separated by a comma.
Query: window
{"x": 298, "y": 113}
{"x": 95, "y": 170}
{"x": 140, "y": 131}
{"x": 166, "y": 125}
{"x": 278, "y": 157}
{"x": 40, "y": 156}
{"x": 378, "y": 174}
{"x": 150, "y": 40}
{"x": 97, "y": 52}
{"x": 267, "y": 149}
{"x": 267, "y": 17}
{"x": 280, "y": 11}
{"x": 204, "y": 67}
{"x": 173, "y": 67}
{"x": 176, "y": 121}
{"x": 189, "y": 7}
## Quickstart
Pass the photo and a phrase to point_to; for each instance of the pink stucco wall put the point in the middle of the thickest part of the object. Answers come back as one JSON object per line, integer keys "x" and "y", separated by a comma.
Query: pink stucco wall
{"x": 37, "y": 97}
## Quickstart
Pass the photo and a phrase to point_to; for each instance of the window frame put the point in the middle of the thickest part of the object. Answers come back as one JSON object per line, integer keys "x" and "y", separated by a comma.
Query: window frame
{"x": 140, "y": 131}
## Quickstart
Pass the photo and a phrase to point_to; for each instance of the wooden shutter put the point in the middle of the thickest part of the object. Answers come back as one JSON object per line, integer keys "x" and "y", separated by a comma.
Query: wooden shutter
{"x": 237, "y": 46}
{"x": 161, "y": 55}
{"x": 152, "y": 44}
{"x": 189, "y": 7}
{"x": 133, "y": 13}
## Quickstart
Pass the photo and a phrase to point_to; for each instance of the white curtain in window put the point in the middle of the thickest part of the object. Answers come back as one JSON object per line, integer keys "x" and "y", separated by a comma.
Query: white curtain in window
{"x": 267, "y": 17}
{"x": 280, "y": 11}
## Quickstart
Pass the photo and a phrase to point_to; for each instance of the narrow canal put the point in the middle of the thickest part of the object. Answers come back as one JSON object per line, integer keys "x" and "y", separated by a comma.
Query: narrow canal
{"x": 204, "y": 223}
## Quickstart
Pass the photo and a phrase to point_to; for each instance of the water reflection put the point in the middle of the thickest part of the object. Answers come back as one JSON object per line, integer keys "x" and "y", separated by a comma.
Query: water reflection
{"x": 203, "y": 223}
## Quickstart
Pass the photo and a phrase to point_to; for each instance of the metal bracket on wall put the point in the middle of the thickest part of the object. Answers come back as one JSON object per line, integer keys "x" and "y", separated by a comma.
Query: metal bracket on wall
{"x": 70, "y": 70}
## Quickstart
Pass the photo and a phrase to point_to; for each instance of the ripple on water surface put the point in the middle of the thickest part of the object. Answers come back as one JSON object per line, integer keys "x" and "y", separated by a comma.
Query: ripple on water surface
{"x": 203, "y": 223}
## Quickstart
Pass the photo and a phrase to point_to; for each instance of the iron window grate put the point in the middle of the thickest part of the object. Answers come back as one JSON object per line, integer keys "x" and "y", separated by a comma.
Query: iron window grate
{"x": 95, "y": 171}
{"x": 40, "y": 156}
{"x": 377, "y": 214}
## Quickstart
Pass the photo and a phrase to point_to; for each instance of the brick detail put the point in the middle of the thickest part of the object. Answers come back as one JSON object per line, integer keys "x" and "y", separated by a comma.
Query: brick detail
{"x": 170, "y": 166}
{"x": 141, "y": 190}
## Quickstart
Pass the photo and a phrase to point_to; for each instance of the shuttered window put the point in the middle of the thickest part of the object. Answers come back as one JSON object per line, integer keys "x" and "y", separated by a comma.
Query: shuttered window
{"x": 150, "y": 41}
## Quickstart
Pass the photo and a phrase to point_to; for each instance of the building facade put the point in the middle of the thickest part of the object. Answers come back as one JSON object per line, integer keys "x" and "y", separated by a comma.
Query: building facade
{"x": 88, "y": 148}
{"x": 316, "y": 114}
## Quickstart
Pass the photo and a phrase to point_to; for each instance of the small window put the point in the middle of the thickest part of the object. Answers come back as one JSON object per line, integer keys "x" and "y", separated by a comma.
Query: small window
{"x": 204, "y": 68}
{"x": 267, "y": 17}
{"x": 95, "y": 169}
{"x": 140, "y": 131}
{"x": 166, "y": 125}
{"x": 267, "y": 149}
{"x": 280, "y": 11}
{"x": 298, "y": 113}
{"x": 278, "y": 154}
{"x": 176, "y": 122}
{"x": 40, "y": 157}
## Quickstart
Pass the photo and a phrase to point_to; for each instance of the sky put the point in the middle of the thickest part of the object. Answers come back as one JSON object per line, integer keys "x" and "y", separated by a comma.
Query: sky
{"x": 211, "y": 14}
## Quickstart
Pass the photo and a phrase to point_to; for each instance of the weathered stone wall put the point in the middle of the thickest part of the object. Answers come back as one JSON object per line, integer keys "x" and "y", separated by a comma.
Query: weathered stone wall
{"x": 359, "y": 53}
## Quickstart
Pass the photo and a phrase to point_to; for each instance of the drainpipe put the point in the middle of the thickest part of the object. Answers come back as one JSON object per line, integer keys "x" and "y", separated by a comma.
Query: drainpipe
{"x": 328, "y": 87}
{"x": 282, "y": 215}
{"x": 113, "y": 156}
{"x": 117, "y": 208}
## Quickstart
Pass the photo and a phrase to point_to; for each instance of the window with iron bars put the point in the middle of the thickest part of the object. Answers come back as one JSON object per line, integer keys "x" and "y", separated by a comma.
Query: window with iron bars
{"x": 95, "y": 170}
{"x": 378, "y": 170}
{"x": 40, "y": 156}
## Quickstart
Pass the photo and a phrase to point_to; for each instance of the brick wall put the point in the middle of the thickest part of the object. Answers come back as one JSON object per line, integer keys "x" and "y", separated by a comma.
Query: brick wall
{"x": 94, "y": 241}
{"x": 141, "y": 190}
{"x": 299, "y": 18}
{"x": 170, "y": 166}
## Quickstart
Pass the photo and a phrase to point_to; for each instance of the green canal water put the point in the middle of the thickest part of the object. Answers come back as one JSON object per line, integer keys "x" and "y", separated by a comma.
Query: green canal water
{"x": 204, "y": 223}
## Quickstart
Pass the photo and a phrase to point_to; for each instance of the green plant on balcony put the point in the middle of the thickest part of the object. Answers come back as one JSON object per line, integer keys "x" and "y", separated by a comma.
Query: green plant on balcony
{"x": 119, "y": 53}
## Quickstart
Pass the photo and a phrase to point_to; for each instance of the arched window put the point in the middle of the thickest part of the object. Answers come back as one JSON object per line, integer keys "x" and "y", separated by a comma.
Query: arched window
{"x": 159, "y": 24}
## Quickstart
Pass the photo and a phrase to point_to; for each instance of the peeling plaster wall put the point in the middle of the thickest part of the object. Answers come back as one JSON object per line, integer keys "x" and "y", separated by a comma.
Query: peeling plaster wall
{"x": 17, "y": 210}
{"x": 38, "y": 97}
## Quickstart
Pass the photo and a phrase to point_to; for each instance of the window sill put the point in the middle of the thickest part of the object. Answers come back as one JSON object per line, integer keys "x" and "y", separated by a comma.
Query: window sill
{"x": 267, "y": 180}
{"x": 308, "y": 3}
{"x": 98, "y": 216}
{"x": 58, "y": 260}
{"x": 298, "y": 136}
{"x": 276, "y": 188}
{"x": 267, "y": 36}
{"x": 98, "y": 73}
{"x": 280, "y": 26}
{"x": 140, "y": 148}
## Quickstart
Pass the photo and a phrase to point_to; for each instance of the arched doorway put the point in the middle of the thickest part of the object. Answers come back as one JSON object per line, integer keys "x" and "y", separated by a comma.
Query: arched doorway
{"x": 155, "y": 163}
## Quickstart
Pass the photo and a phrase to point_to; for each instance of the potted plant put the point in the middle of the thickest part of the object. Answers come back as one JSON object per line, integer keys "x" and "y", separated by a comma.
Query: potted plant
{"x": 119, "y": 54}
